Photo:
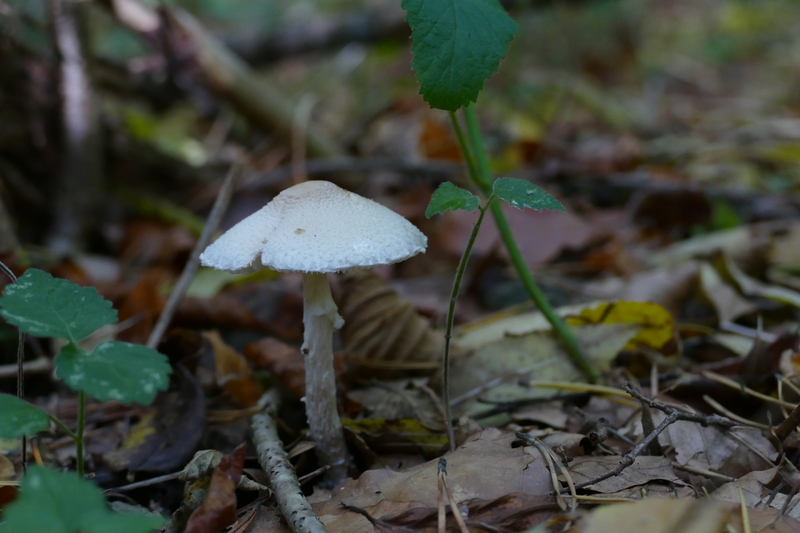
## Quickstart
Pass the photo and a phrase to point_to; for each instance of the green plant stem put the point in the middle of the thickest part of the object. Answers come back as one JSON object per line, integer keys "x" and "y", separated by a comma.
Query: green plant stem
{"x": 462, "y": 143}
{"x": 79, "y": 430}
{"x": 451, "y": 311}
{"x": 63, "y": 427}
{"x": 482, "y": 174}
{"x": 483, "y": 178}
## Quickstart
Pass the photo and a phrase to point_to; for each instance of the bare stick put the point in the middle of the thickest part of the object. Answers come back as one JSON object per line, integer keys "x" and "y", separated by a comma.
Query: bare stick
{"x": 145, "y": 483}
{"x": 37, "y": 366}
{"x": 282, "y": 478}
{"x": 442, "y": 475}
{"x": 79, "y": 183}
{"x": 673, "y": 415}
{"x": 789, "y": 425}
{"x": 220, "y": 206}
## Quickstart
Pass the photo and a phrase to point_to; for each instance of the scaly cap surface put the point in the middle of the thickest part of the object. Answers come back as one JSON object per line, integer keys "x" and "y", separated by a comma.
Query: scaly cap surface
{"x": 316, "y": 226}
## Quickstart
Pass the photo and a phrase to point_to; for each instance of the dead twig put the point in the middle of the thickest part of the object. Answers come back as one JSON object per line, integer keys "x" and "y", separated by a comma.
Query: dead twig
{"x": 553, "y": 462}
{"x": 789, "y": 425}
{"x": 444, "y": 487}
{"x": 79, "y": 187}
{"x": 265, "y": 104}
{"x": 40, "y": 365}
{"x": 220, "y": 206}
{"x": 282, "y": 478}
{"x": 673, "y": 415}
{"x": 378, "y": 524}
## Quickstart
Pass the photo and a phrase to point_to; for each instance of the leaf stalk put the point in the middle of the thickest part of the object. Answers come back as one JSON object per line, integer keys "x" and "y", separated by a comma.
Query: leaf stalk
{"x": 462, "y": 267}
{"x": 482, "y": 176}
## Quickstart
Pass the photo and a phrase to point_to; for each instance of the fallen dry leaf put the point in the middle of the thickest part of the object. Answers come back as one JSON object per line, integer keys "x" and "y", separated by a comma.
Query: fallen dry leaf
{"x": 727, "y": 302}
{"x": 382, "y": 330}
{"x": 646, "y": 475}
{"x": 733, "y": 453}
{"x": 234, "y": 374}
{"x": 487, "y": 456}
{"x": 667, "y": 287}
{"x": 683, "y": 515}
{"x": 168, "y": 436}
{"x": 540, "y": 235}
{"x": 512, "y": 512}
{"x": 218, "y": 509}
{"x": 509, "y": 353}
{"x": 753, "y": 487}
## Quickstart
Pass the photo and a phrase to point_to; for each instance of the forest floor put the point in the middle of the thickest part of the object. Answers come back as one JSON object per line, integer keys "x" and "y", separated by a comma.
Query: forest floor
{"x": 669, "y": 131}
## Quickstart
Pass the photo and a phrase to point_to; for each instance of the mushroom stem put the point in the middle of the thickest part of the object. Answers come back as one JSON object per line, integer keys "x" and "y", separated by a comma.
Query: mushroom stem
{"x": 320, "y": 318}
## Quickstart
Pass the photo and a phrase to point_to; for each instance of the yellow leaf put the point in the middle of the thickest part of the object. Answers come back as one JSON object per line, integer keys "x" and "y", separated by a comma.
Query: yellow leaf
{"x": 393, "y": 433}
{"x": 140, "y": 432}
{"x": 656, "y": 322}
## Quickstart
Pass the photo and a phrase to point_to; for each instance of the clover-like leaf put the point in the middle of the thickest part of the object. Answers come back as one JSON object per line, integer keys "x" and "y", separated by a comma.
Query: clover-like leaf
{"x": 18, "y": 418}
{"x": 448, "y": 196}
{"x": 457, "y": 44}
{"x": 522, "y": 194}
{"x": 63, "y": 502}
{"x": 44, "y": 306}
{"x": 114, "y": 371}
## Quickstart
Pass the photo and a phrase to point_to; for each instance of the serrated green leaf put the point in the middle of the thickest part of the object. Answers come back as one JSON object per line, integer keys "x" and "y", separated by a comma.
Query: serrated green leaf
{"x": 44, "y": 306}
{"x": 18, "y": 418}
{"x": 457, "y": 44}
{"x": 114, "y": 371}
{"x": 522, "y": 194}
{"x": 448, "y": 196}
{"x": 63, "y": 502}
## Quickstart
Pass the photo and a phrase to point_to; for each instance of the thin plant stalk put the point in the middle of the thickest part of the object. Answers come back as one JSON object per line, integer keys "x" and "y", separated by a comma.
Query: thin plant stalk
{"x": 462, "y": 266}
{"x": 483, "y": 178}
{"x": 63, "y": 427}
{"x": 79, "y": 430}
{"x": 463, "y": 144}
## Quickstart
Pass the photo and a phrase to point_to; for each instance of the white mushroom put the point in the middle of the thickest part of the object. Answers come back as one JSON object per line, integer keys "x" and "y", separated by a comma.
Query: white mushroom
{"x": 316, "y": 228}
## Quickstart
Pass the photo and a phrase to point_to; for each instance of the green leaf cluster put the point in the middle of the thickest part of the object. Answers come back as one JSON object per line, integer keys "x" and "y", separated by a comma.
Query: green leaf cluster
{"x": 518, "y": 193}
{"x": 63, "y": 502}
{"x": 44, "y": 306}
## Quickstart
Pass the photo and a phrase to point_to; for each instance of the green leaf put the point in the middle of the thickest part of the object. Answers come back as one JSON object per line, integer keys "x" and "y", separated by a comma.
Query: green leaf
{"x": 522, "y": 194}
{"x": 18, "y": 418}
{"x": 114, "y": 371}
{"x": 457, "y": 45}
{"x": 44, "y": 306}
{"x": 448, "y": 196}
{"x": 63, "y": 502}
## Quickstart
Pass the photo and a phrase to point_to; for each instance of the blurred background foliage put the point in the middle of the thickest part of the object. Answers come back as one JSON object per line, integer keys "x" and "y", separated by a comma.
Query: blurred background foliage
{"x": 692, "y": 82}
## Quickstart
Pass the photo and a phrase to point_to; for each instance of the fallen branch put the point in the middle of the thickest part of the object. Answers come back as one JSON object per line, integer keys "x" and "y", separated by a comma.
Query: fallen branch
{"x": 789, "y": 425}
{"x": 214, "y": 218}
{"x": 282, "y": 478}
{"x": 673, "y": 415}
{"x": 79, "y": 186}
{"x": 263, "y": 103}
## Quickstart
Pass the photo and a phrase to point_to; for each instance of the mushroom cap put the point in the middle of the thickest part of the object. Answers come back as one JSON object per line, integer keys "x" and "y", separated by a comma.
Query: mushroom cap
{"x": 316, "y": 226}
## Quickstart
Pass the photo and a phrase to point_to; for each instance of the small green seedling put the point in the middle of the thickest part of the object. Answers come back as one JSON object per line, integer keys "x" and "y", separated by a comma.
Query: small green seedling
{"x": 63, "y": 502}
{"x": 44, "y": 306}
{"x": 517, "y": 193}
{"x": 457, "y": 45}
